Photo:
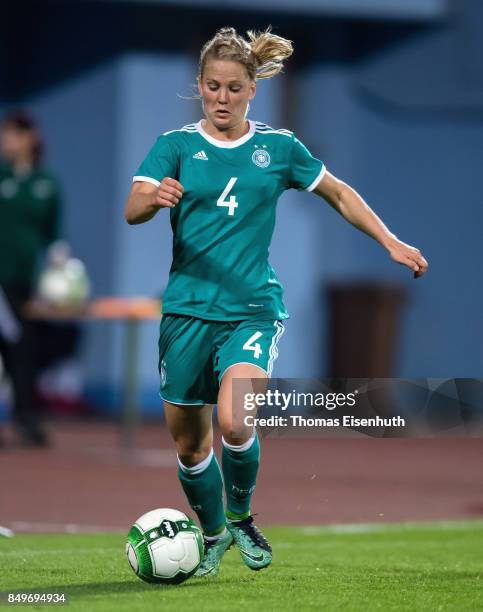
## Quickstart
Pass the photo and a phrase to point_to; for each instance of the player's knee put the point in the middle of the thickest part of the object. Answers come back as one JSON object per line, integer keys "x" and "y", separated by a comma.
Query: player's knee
{"x": 235, "y": 435}
{"x": 191, "y": 454}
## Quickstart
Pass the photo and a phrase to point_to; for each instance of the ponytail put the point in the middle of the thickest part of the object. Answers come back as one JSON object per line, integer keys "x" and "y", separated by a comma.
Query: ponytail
{"x": 263, "y": 55}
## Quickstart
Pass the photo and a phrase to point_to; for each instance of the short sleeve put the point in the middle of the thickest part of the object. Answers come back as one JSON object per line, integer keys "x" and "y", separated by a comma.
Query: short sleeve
{"x": 305, "y": 171}
{"x": 161, "y": 161}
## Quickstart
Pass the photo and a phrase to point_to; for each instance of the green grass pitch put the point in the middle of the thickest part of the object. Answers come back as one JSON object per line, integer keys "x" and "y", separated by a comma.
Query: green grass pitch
{"x": 414, "y": 567}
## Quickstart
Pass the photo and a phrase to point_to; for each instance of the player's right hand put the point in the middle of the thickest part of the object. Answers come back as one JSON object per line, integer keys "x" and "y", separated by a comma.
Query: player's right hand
{"x": 169, "y": 193}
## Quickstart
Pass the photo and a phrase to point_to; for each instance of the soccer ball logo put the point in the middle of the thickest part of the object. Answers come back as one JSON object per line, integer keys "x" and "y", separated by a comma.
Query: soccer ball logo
{"x": 261, "y": 158}
{"x": 164, "y": 545}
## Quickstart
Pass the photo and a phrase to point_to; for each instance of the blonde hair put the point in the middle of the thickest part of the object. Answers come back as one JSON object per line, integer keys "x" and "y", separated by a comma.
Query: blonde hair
{"x": 263, "y": 55}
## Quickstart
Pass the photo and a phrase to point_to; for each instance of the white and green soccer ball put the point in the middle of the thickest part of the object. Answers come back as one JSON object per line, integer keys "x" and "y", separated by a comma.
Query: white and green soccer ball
{"x": 65, "y": 286}
{"x": 64, "y": 281}
{"x": 164, "y": 545}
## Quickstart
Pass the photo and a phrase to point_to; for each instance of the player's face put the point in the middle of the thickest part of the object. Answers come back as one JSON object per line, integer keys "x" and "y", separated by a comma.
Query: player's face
{"x": 226, "y": 90}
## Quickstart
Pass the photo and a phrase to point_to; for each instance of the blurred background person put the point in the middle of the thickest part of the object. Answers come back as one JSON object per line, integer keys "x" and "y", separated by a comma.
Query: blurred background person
{"x": 29, "y": 222}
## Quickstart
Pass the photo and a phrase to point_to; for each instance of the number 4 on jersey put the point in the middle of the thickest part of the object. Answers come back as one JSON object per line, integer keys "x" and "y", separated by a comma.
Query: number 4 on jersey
{"x": 231, "y": 204}
{"x": 250, "y": 346}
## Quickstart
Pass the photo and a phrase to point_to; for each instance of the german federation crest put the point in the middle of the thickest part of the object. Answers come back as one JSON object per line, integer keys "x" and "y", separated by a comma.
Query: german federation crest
{"x": 261, "y": 158}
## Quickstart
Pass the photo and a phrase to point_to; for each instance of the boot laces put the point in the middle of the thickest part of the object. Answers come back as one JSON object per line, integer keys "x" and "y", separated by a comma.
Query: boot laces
{"x": 252, "y": 531}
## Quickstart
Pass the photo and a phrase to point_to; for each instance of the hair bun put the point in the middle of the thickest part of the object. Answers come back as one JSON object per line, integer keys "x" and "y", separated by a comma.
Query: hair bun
{"x": 226, "y": 31}
{"x": 262, "y": 55}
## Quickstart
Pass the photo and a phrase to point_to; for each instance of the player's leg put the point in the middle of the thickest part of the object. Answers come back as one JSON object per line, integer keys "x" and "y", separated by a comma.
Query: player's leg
{"x": 200, "y": 477}
{"x": 246, "y": 358}
{"x": 241, "y": 460}
{"x": 240, "y": 444}
{"x": 189, "y": 389}
{"x": 198, "y": 471}
{"x": 184, "y": 358}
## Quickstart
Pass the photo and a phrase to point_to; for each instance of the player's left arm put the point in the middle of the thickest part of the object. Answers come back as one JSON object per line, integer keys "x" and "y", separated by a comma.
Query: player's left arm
{"x": 348, "y": 203}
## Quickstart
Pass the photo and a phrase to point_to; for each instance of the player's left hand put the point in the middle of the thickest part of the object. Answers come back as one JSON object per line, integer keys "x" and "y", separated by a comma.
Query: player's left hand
{"x": 408, "y": 256}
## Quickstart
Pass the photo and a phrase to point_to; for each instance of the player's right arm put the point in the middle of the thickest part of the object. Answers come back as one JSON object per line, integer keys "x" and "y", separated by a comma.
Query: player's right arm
{"x": 145, "y": 199}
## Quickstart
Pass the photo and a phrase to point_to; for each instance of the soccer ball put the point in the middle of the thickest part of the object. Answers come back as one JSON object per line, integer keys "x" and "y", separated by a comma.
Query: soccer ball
{"x": 66, "y": 286}
{"x": 64, "y": 281}
{"x": 164, "y": 545}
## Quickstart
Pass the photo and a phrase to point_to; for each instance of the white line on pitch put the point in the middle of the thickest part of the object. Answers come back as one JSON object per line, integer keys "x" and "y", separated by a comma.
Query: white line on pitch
{"x": 33, "y": 527}
{"x": 374, "y": 527}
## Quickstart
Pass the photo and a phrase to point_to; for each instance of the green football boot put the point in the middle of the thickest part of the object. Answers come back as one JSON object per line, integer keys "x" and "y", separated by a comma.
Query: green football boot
{"x": 254, "y": 548}
{"x": 214, "y": 551}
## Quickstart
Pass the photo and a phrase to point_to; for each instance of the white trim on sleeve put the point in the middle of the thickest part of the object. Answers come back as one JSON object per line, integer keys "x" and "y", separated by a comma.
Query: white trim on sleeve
{"x": 320, "y": 176}
{"x": 145, "y": 179}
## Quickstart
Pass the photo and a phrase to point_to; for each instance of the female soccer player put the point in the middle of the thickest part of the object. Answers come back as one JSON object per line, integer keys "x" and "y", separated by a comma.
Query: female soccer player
{"x": 223, "y": 309}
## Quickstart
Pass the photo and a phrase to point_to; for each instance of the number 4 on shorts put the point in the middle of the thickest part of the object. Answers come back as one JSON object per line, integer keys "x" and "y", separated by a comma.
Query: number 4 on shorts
{"x": 251, "y": 345}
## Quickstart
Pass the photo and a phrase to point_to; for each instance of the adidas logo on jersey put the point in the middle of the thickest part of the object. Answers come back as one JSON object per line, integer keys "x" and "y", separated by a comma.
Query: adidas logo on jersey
{"x": 200, "y": 155}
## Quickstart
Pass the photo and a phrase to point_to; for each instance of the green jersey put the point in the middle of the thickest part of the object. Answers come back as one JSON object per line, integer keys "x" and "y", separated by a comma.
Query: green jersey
{"x": 29, "y": 213}
{"x": 223, "y": 225}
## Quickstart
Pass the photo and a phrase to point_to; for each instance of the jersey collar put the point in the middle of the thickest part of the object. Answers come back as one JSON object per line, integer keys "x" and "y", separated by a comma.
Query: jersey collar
{"x": 226, "y": 144}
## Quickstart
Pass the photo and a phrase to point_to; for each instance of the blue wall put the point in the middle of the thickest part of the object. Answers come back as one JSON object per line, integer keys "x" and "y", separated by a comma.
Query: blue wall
{"x": 352, "y": 8}
{"x": 419, "y": 169}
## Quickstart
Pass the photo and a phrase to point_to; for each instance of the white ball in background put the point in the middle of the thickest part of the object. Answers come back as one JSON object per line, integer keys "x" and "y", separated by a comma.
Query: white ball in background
{"x": 64, "y": 286}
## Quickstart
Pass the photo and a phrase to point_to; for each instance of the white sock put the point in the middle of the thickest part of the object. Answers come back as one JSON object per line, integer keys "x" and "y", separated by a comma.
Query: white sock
{"x": 198, "y": 468}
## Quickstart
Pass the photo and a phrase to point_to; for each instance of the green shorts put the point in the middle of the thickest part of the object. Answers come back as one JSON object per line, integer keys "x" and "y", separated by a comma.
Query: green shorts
{"x": 194, "y": 354}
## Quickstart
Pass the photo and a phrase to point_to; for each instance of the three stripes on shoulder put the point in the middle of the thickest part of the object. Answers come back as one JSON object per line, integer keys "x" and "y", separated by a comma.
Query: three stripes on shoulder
{"x": 261, "y": 128}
